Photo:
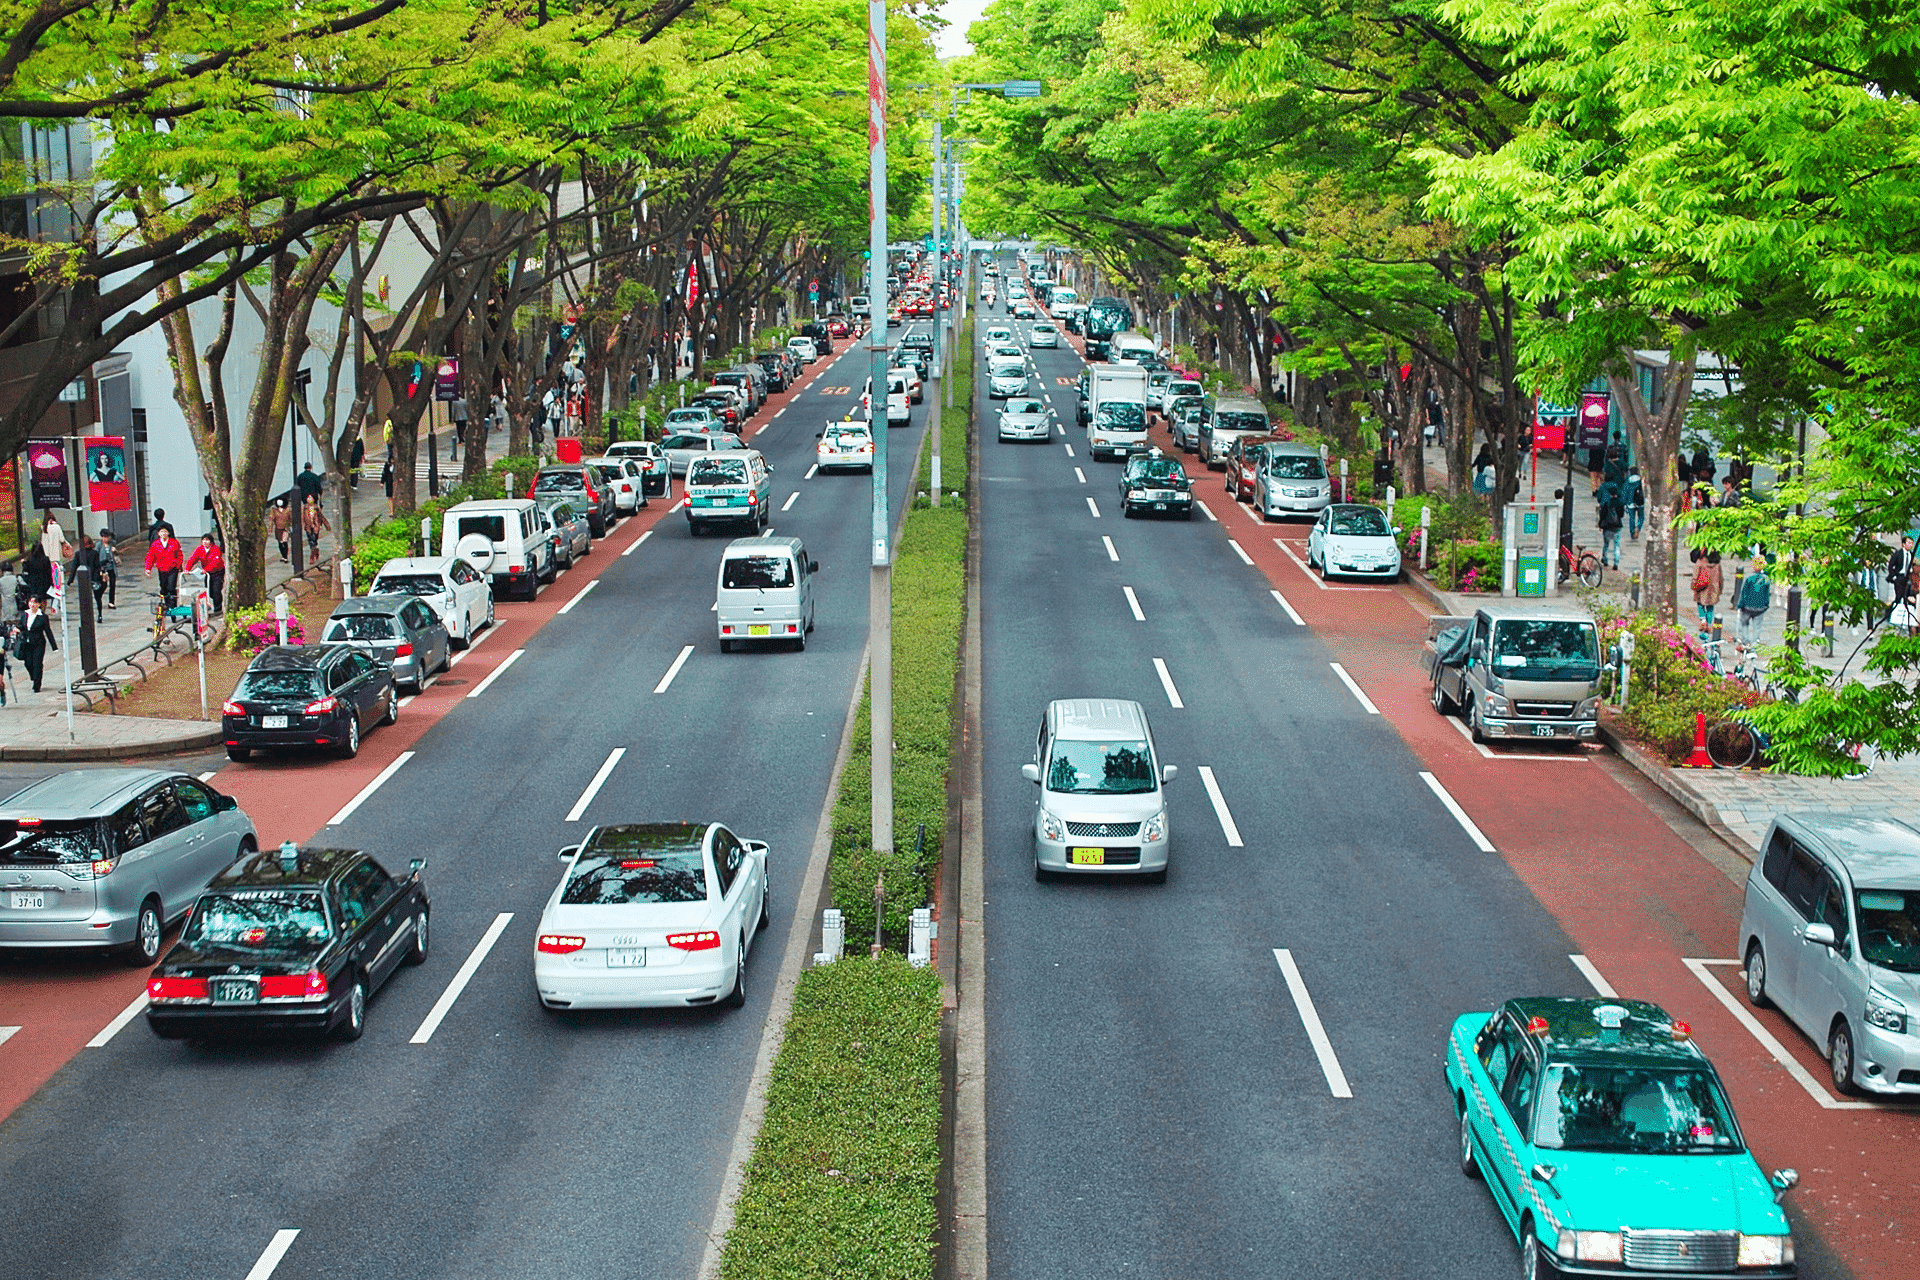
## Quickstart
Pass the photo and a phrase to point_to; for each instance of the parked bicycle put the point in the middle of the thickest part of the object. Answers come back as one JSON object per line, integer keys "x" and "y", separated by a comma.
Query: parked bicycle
{"x": 1580, "y": 563}
{"x": 1734, "y": 743}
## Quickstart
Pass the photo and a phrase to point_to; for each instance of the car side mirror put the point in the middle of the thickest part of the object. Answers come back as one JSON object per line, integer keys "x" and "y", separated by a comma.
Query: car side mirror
{"x": 1031, "y": 772}
{"x": 417, "y": 865}
{"x": 224, "y": 804}
{"x": 569, "y": 851}
{"x": 1819, "y": 934}
{"x": 1783, "y": 1180}
{"x": 1168, "y": 772}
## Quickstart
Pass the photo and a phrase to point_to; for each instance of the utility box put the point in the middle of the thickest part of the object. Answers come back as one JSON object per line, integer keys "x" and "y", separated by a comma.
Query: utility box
{"x": 1532, "y": 542}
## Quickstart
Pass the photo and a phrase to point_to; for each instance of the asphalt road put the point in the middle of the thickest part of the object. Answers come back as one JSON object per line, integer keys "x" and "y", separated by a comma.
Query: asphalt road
{"x": 1156, "y": 1107}
{"x": 514, "y": 1142}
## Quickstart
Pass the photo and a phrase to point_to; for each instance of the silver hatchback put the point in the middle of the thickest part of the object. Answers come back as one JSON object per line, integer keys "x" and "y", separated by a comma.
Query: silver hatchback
{"x": 1101, "y": 806}
{"x": 106, "y": 858}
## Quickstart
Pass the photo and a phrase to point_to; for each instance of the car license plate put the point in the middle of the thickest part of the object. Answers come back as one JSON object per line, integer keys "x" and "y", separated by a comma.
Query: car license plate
{"x": 1087, "y": 857}
{"x": 1543, "y": 731}
{"x": 25, "y": 901}
{"x": 759, "y": 629}
{"x": 234, "y": 990}
{"x": 627, "y": 958}
{"x": 1159, "y": 506}
{"x": 273, "y": 722}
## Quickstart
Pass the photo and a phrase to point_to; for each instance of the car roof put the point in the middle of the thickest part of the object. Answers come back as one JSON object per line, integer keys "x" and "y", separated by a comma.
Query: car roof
{"x": 1239, "y": 404}
{"x": 312, "y": 868}
{"x": 1504, "y": 609}
{"x": 1095, "y": 718}
{"x": 82, "y": 793}
{"x": 296, "y": 657}
{"x": 378, "y": 605}
{"x": 1575, "y": 1033}
{"x": 1289, "y": 448}
{"x": 1877, "y": 852}
{"x": 490, "y": 505}
{"x": 760, "y": 546}
{"x": 417, "y": 564}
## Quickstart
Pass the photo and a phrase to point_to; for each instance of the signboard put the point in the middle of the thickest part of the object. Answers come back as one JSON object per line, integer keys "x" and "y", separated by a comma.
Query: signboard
{"x": 1594, "y": 413}
{"x": 47, "y": 473}
{"x": 693, "y": 283}
{"x": 107, "y": 487}
{"x": 1549, "y": 436}
{"x": 446, "y": 381}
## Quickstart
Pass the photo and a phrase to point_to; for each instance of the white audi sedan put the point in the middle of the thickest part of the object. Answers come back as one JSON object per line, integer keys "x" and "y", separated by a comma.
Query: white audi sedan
{"x": 652, "y": 915}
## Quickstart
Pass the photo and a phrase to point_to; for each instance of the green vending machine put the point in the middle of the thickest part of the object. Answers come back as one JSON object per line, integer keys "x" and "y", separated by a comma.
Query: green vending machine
{"x": 1532, "y": 542}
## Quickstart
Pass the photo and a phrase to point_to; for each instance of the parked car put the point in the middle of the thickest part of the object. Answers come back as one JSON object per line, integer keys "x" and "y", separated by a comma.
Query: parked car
{"x": 765, "y": 592}
{"x": 746, "y": 383}
{"x": 505, "y": 539}
{"x": 572, "y": 535}
{"x": 290, "y": 939}
{"x": 399, "y": 631}
{"x": 1291, "y": 480}
{"x": 1153, "y": 482}
{"x": 577, "y": 483}
{"x": 1183, "y": 421}
{"x": 723, "y": 403}
{"x": 1101, "y": 804}
{"x": 106, "y": 859}
{"x": 730, "y": 488}
{"x": 1025, "y": 419}
{"x": 822, "y": 340}
{"x": 308, "y": 695}
{"x": 623, "y": 476}
{"x": 455, "y": 589}
{"x": 778, "y": 370}
{"x": 682, "y": 448}
{"x": 647, "y": 456}
{"x": 1354, "y": 541}
{"x": 911, "y": 374}
{"x": 1225, "y": 418}
{"x": 1517, "y": 670}
{"x": 697, "y": 417}
{"x": 1244, "y": 461}
{"x": 804, "y": 349}
{"x": 1179, "y": 389}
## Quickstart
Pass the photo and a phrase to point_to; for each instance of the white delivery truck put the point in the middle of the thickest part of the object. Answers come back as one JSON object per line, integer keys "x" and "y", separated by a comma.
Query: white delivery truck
{"x": 1117, "y": 410}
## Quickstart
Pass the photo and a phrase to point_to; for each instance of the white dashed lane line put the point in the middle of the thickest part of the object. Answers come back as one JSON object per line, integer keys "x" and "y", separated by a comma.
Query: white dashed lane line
{"x": 1093, "y": 507}
{"x": 1459, "y": 815}
{"x": 1067, "y": 447}
{"x": 1133, "y": 603}
{"x": 495, "y": 674}
{"x": 1111, "y": 553}
{"x": 8, "y": 1033}
{"x": 1298, "y": 621}
{"x": 1079, "y": 475}
{"x": 812, "y": 471}
{"x": 1220, "y": 810}
{"x": 471, "y": 966}
{"x": 791, "y": 499}
{"x": 1166, "y": 682}
{"x": 270, "y": 1256}
{"x": 579, "y": 596}
{"x": 635, "y": 546}
{"x": 674, "y": 670}
{"x": 1206, "y": 511}
{"x": 593, "y": 788}
{"x": 1310, "y": 1019}
{"x": 379, "y": 780}
{"x": 1241, "y": 552}
{"x": 1354, "y": 689}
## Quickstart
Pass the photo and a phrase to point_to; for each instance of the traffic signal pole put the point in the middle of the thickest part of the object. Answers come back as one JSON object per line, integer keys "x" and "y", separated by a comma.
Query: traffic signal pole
{"x": 880, "y": 584}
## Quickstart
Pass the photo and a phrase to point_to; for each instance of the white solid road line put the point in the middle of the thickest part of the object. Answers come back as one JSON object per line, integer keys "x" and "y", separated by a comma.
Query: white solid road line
{"x": 812, "y": 471}
{"x": 495, "y": 674}
{"x": 1801, "y": 1076}
{"x": 1133, "y": 603}
{"x": 379, "y": 780}
{"x": 462, "y": 978}
{"x": 1220, "y": 809}
{"x": 1601, "y": 987}
{"x": 207, "y": 776}
{"x": 1459, "y": 814}
{"x": 593, "y": 788}
{"x": 578, "y": 596}
{"x": 1093, "y": 507}
{"x": 1111, "y": 553}
{"x": 276, "y": 1249}
{"x": 1355, "y": 689}
{"x": 1080, "y": 475}
{"x": 8, "y": 1033}
{"x": 1166, "y": 682}
{"x": 120, "y": 1020}
{"x": 1206, "y": 511}
{"x": 1304, "y": 568}
{"x": 635, "y": 546}
{"x": 674, "y": 670}
{"x": 1481, "y": 747}
{"x": 1241, "y": 552}
{"x": 1293, "y": 613}
{"x": 1310, "y": 1019}
{"x": 791, "y": 499}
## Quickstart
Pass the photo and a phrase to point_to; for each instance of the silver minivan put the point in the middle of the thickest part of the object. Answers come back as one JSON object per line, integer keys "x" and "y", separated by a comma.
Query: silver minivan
{"x": 1226, "y": 420}
{"x": 764, "y": 592}
{"x": 1101, "y": 805}
{"x": 1830, "y": 934}
{"x": 106, "y": 858}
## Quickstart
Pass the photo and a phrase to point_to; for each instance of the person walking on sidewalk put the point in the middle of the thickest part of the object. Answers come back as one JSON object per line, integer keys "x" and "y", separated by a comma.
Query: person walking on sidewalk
{"x": 1636, "y": 499}
{"x": 1613, "y": 514}
{"x": 36, "y": 575}
{"x": 163, "y": 558}
{"x": 7, "y": 630}
{"x": 109, "y": 580}
{"x": 1900, "y": 574}
{"x": 280, "y": 521}
{"x": 54, "y": 540}
{"x": 35, "y": 638}
{"x": 1756, "y": 597}
{"x": 159, "y": 523}
{"x": 312, "y": 521}
{"x": 209, "y": 558}
{"x": 1708, "y": 583}
{"x": 356, "y": 458}
{"x": 9, "y": 596}
{"x": 1729, "y": 492}
{"x": 309, "y": 483}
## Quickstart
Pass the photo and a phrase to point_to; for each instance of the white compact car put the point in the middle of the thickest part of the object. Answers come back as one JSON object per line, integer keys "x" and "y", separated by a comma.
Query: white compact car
{"x": 456, "y": 590}
{"x": 803, "y": 349}
{"x": 845, "y": 444}
{"x": 624, "y": 477}
{"x": 1353, "y": 541}
{"x": 652, "y": 915}
{"x": 1043, "y": 335}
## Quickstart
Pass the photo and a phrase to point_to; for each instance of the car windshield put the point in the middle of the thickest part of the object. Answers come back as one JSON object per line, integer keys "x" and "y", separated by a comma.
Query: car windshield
{"x": 1229, "y": 421}
{"x": 1297, "y": 466}
{"x": 1160, "y": 472}
{"x": 1654, "y": 1109}
{"x": 360, "y": 626}
{"x": 1553, "y": 649}
{"x": 258, "y": 920}
{"x": 38, "y": 843}
{"x": 276, "y": 684}
{"x": 1362, "y": 523}
{"x": 1123, "y": 415}
{"x": 748, "y": 573}
{"x": 1025, "y": 406}
{"x": 1890, "y": 928}
{"x": 610, "y": 877}
{"x": 718, "y": 471}
{"x": 407, "y": 584}
{"x": 559, "y": 481}
{"x": 1100, "y": 768}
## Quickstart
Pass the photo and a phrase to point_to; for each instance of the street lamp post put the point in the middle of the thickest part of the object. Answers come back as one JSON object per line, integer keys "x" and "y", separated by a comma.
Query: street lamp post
{"x": 880, "y": 584}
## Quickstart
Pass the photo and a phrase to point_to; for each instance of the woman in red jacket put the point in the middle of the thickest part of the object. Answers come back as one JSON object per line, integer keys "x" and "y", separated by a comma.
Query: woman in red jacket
{"x": 209, "y": 557}
{"x": 163, "y": 557}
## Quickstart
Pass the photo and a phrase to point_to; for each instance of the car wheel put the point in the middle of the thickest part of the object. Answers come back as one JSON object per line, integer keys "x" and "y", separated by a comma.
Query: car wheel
{"x": 1757, "y": 977}
{"x": 1532, "y": 1265}
{"x": 239, "y": 753}
{"x": 144, "y": 951}
{"x": 800, "y": 641}
{"x": 1441, "y": 702}
{"x": 737, "y": 998}
{"x": 532, "y": 589}
{"x": 559, "y": 564}
{"x": 1840, "y": 1059}
{"x": 392, "y": 715}
{"x": 351, "y": 747}
{"x": 726, "y": 646}
{"x": 354, "y": 1025}
{"x": 417, "y": 953}
{"x": 489, "y": 611}
{"x": 1474, "y": 730}
{"x": 766, "y": 908}
{"x": 1468, "y": 1164}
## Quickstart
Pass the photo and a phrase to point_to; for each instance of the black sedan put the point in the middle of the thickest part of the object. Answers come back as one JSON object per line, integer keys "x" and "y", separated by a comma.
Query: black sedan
{"x": 1154, "y": 482}
{"x": 289, "y": 939}
{"x": 308, "y": 695}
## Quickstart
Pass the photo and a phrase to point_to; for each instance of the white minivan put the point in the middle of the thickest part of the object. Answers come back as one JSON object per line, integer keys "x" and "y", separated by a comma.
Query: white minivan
{"x": 508, "y": 539}
{"x": 764, "y": 592}
{"x": 1101, "y": 804}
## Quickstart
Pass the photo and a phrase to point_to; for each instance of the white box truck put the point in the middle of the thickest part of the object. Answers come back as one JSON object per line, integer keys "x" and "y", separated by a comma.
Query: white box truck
{"x": 1117, "y": 410}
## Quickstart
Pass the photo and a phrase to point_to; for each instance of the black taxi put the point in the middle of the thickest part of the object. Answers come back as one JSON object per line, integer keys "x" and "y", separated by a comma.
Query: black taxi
{"x": 289, "y": 939}
{"x": 1153, "y": 482}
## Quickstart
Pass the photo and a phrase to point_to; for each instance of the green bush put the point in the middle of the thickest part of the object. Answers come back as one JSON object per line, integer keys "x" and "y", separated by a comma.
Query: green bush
{"x": 1672, "y": 685}
{"x": 842, "y": 1178}
{"x": 1467, "y": 566}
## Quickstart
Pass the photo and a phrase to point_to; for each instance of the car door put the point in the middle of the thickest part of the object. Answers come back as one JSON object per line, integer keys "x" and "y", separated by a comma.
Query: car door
{"x": 166, "y": 858}
{"x": 372, "y": 908}
{"x": 1793, "y": 961}
{"x": 433, "y": 632}
{"x": 1513, "y": 1128}
{"x": 468, "y": 591}
{"x": 1825, "y": 982}
{"x": 364, "y": 683}
{"x": 1499, "y": 1045}
{"x": 728, "y": 855}
{"x": 210, "y": 845}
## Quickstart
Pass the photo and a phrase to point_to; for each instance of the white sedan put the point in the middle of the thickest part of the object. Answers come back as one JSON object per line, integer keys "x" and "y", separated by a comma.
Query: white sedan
{"x": 623, "y": 476}
{"x": 1355, "y": 541}
{"x": 845, "y": 444}
{"x": 1025, "y": 420}
{"x": 1043, "y": 335}
{"x": 652, "y": 915}
{"x": 460, "y": 594}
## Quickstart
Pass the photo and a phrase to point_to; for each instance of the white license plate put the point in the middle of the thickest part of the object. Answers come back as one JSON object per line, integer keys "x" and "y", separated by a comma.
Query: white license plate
{"x": 1543, "y": 731}
{"x": 626, "y": 958}
{"x": 273, "y": 722}
{"x": 28, "y": 901}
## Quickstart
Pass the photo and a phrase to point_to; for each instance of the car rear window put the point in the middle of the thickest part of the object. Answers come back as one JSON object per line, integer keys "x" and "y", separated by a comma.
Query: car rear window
{"x": 1230, "y": 421}
{"x": 277, "y": 684}
{"x": 610, "y": 877}
{"x": 407, "y": 584}
{"x": 258, "y": 920}
{"x": 559, "y": 481}
{"x": 360, "y": 626}
{"x": 492, "y": 528}
{"x": 718, "y": 471}
{"x": 748, "y": 573}
{"x": 39, "y": 843}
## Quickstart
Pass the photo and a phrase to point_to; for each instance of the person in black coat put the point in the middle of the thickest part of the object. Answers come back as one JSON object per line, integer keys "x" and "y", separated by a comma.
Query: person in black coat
{"x": 38, "y": 637}
{"x": 36, "y": 573}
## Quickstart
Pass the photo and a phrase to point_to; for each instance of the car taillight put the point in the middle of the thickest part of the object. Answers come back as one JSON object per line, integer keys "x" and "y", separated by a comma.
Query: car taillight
{"x": 559, "y": 944}
{"x": 322, "y": 706}
{"x": 309, "y": 986}
{"x": 232, "y": 708}
{"x": 403, "y": 651}
{"x": 752, "y": 498}
{"x": 176, "y": 988}
{"x": 705, "y": 940}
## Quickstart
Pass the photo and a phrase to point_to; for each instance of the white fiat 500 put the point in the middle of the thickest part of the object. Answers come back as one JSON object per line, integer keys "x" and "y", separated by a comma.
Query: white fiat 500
{"x": 652, "y": 915}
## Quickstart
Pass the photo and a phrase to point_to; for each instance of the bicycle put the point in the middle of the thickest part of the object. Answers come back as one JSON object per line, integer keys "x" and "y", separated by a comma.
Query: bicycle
{"x": 1581, "y": 563}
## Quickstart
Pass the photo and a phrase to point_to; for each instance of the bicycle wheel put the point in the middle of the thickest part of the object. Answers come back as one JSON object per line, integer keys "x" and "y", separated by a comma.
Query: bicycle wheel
{"x": 1590, "y": 569}
{"x": 1731, "y": 745}
{"x": 1864, "y": 755}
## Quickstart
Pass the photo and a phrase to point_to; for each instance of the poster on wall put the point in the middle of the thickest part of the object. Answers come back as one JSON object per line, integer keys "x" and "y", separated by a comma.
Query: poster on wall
{"x": 47, "y": 473}
{"x": 107, "y": 488}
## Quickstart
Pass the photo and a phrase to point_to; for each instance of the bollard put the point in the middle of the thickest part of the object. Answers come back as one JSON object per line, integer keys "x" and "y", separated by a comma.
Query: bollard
{"x": 833, "y": 936}
{"x": 879, "y": 909}
{"x": 280, "y": 614}
{"x": 426, "y": 536}
{"x": 346, "y": 578}
{"x": 1626, "y": 666}
{"x": 920, "y": 938}
{"x": 1793, "y": 618}
{"x": 1426, "y": 532}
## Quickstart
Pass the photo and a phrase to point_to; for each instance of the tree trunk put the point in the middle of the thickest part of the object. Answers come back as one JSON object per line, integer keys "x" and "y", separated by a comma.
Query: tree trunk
{"x": 1656, "y": 438}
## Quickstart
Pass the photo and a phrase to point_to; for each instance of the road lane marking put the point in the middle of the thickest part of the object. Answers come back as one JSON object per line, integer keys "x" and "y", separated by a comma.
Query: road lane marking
{"x": 379, "y": 780}
{"x": 1220, "y": 809}
{"x": 1241, "y": 552}
{"x": 674, "y": 670}
{"x": 593, "y": 788}
{"x": 276, "y": 1249}
{"x": 120, "y": 1020}
{"x": 1080, "y": 475}
{"x": 1801, "y": 1076}
{"x": 1061, "y": 427}
{"x": 475, "y": 958}
{"x": 8, "y": 1033}
{"x": 495, "y": 674}
{"x": 791, "y": 499}
{"x": 1481, "y": 747}
{"x": 578, "y": 596}
{"x": 207, "y": 776}
{"x": 1093, "y": 507}
{"x": 1133, "y": 603}
{"x": 1355, "y": 689}
{"x": 1588, "y": 970}
{"x": 1206, "y": 511}
{"x": 812, "y": 471}
{"x": 1293, "y": 613}
{"x": 1111, "y": 553}
{"x": 1459, "y": 814}
{"x": 1304, "y": 566}
{"x": 676, "y": 506}
{"x": 782, "y": 409}
{"x": 635, "y": 546}
{"x": 1166, "y": 682}
{"x": 1310, "y": 1019}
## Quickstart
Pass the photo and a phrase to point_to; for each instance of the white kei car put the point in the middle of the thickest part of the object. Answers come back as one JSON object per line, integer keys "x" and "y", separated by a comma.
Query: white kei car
{"x": 459, "y": 594}
{"x": 1043, "y": 335}
{"x": 846, "y": 444}
{"x": 652, "y": 915}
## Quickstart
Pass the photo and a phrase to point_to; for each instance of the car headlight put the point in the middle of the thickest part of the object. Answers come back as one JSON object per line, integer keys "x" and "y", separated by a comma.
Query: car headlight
{"x": 1885, "y": 1012}
{"x": 1589, "y": 1246}
{"x": 1497, "y": 705}
{"x": 1154, "y": 828}
{"x": 1051, "y": 828}
{"x": 1765, "y": 1251}
{"x": 1587, "y": 710}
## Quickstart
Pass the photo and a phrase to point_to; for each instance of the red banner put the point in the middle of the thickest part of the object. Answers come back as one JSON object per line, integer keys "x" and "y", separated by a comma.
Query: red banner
{"x": 1549, "y": 434}
{"x": 107, "y": 487}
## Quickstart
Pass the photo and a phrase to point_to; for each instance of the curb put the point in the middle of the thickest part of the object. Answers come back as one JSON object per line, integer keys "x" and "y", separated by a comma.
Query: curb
{"x": 1686, "y": 797}
{"x": 195, "y": 741}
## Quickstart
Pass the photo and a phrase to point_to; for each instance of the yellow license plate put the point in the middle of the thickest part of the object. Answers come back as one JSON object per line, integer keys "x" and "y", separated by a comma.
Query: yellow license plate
{"x": 1087, "y": 857}
{"x": 759, "y": 630}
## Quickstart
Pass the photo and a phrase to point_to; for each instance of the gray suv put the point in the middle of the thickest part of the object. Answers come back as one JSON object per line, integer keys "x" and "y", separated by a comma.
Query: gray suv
{"x": 105, "y": 858}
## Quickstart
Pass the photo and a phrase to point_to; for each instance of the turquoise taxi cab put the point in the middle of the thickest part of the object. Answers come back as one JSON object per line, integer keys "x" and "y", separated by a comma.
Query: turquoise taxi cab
{"x": 729, "y": 489}
{"x": 1608, "y": 1143}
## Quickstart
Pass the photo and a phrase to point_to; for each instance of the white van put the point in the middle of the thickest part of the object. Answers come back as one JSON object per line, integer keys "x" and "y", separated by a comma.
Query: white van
{"x": 1128, "y": 348}
{"x": 997, "y": 333}
{"x": 508, "y": 539}
{"x": 764, "y": 592}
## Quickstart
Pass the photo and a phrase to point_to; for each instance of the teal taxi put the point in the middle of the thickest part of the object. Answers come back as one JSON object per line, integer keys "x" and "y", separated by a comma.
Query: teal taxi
{"x": 1609, "y": 1145}
{"x": 729, "y": 489}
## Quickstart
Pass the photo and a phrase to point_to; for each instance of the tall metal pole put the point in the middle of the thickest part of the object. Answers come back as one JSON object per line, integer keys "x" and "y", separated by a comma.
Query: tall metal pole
{"x": 939, "y": 318}
{"x": 880, "y": 586}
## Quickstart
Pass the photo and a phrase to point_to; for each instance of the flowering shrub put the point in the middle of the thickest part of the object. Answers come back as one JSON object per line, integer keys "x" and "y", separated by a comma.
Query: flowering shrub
{"x": 252, "y": 629}
{"x": 1672, "y": 683}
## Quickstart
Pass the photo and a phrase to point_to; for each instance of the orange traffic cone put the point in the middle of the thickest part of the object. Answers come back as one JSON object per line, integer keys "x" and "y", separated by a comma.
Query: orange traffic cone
{"x": 1699, "y": 759}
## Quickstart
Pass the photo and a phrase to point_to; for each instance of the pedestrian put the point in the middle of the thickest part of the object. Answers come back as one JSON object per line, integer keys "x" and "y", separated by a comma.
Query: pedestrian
{"x": 210, "y": 559}
{"x": 356, "y": 457}
{"x": 1703, "y": 467}
{"x": 1683, "y": 476}
{"x": 1596, "y": 467}
{"x": 1729, "y": 492}
{"x": 9, "y": 595}
{"x": 312, "y": 521}
{"x": 1755, "y": 598}
{"x": 280, "y": 522}
{"x": 36, "y": 575}
{"x": 54, "y": 539}
{"x": 1613, "y": 514}
{"x": 7, "y": 630}
{"x": 163, "y": 558}
{"x": 1617, "y": 466}
{"x": 1636, "y": 499}
{"x": 88, "y": 558}
{"x": 108, "y": 582}
{"x": 1900, "y": 573}
{"x": 35, "y": 638}
{"x": 386, "y": 481}
{"x": 1708, "y": 583}
{"x": 309, "y": 482}
{"x": 159, "y": 523}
